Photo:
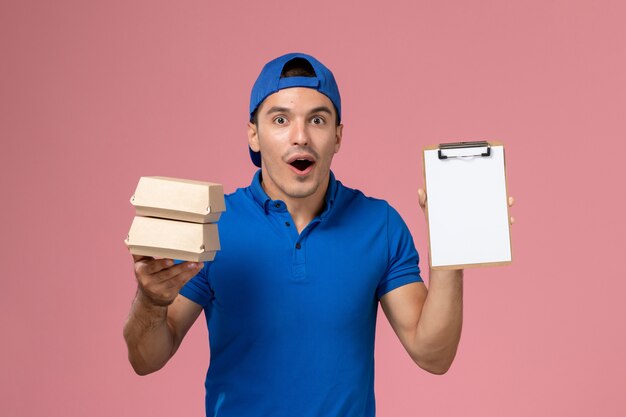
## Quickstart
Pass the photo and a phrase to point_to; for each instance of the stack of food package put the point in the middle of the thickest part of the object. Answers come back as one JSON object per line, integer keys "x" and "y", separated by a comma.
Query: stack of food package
{"x": 176, "y": 219}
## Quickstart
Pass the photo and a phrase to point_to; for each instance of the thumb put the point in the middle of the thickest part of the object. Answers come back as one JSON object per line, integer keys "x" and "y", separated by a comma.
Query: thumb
{"x": 137, "y": 258}
{"x": 422, "y": 197}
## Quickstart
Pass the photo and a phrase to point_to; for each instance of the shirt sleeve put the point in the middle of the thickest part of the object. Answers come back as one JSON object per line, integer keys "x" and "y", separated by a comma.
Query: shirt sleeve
{"x": 198, "y": 290}
{"x": 403, "y": 259}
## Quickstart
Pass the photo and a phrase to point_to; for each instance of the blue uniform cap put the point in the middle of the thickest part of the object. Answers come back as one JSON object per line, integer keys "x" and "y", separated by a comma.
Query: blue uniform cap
{"x": 269, "y": 82}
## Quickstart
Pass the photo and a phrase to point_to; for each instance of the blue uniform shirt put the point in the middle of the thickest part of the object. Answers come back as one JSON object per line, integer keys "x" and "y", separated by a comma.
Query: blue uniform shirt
{"x": 291, "y": 317}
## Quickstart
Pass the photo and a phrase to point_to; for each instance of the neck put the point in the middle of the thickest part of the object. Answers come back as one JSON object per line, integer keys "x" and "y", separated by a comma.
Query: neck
{"x": 301, "y": 209}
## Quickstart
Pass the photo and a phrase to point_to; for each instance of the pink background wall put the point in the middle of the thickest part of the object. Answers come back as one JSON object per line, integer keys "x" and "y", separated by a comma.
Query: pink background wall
{"x": 95, "y": 94}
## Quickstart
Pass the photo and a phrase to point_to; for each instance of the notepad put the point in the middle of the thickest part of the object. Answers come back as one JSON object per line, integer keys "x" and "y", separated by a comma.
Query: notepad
{"x": 467, "y": 207}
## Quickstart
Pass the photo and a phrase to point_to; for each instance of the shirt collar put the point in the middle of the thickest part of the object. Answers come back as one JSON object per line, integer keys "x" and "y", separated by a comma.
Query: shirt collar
{"x": 264, "y": 200}
{"x": 259, "y": 194}
{"x": 331, "y": 194}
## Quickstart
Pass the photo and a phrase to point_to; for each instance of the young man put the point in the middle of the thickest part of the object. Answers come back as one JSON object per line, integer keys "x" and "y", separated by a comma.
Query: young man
{"x": 291, "y": 299}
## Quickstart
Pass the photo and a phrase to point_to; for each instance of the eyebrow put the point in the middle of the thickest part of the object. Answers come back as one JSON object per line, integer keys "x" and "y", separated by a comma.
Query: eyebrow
{"x": 277, "y": 109}
{"x": 320, "y": 109}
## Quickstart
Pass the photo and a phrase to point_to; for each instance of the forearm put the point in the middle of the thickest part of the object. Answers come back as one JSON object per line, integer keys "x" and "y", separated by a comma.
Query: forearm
{"x": 439, "y": 326}
{"x": 149, "y": 338}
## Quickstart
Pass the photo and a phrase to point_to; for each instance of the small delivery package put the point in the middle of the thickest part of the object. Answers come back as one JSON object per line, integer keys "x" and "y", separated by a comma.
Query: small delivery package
{"x": 175, "y": 218}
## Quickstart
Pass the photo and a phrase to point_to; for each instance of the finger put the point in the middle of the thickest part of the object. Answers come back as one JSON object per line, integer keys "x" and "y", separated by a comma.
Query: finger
{"x": 152, "y": 266}
{"x": 511, "y": 201}
{"x": 512, "y": 220}
{"x": 162, "y": 288}
{"x": 137, "y": 258}
{"x": 422, "y": 197}
{"x": 180, "y": 279}
{"x": 172, "y": 272}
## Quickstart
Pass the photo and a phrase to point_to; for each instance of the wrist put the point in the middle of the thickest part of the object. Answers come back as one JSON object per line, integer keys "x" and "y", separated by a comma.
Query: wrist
{"x": 148, "y": 303}
{"x": 456, "y": 274}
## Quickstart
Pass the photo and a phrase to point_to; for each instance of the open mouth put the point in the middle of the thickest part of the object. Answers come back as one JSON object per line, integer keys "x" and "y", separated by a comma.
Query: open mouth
{"x": 301, "y": 164}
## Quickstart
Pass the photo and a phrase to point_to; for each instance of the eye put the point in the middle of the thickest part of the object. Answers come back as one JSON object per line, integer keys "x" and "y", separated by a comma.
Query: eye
{"x": 317, "y": 120}
{"x": 280, "y": 120}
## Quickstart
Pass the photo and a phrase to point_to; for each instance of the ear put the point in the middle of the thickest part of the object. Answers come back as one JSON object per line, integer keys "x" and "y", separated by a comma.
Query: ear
{"x": 338, "y": 136}
{"x": 253, "y": 137}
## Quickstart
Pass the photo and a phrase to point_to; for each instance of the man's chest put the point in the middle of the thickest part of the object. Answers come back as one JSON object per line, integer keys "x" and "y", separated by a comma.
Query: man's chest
{"x": 325, "y": 277}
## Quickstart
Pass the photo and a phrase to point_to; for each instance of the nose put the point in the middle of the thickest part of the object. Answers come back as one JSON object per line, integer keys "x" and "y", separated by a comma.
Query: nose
{"x": 300, "y": 135}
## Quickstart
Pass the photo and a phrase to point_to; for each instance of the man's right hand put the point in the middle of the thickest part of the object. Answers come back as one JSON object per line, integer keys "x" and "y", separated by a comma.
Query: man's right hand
{"x": 159, "y": 318}
{"x": 159, "y": 280}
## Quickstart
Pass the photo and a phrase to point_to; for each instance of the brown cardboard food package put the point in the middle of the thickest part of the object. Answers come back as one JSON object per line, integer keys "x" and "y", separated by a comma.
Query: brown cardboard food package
{"x": 179, "y": 199}
{"x": 173, "y": 239}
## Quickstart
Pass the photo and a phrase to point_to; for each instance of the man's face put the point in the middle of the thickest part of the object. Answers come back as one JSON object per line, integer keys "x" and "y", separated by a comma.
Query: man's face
{"x": 297, "y": 136}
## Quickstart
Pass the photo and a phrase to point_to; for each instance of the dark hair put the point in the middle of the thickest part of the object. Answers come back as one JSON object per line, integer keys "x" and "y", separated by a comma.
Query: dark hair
{"x": 297, "y": 67}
